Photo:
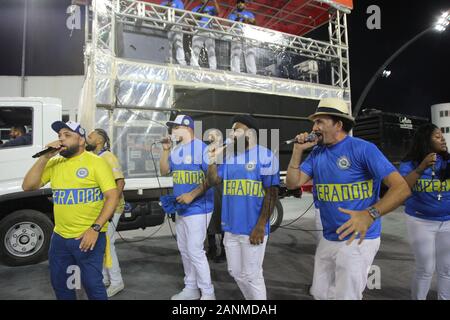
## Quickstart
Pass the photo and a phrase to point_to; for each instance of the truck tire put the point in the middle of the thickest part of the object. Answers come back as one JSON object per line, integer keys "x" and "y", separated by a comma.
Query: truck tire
{"x": 25, "y": 237}
{"x": 276, "y": 217}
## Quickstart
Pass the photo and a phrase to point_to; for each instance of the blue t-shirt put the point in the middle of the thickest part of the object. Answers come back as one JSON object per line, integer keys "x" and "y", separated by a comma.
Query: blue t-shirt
{"x": 210, "y": 10}
{"x": 177, "y": 4}
{"x": 244, "y": 178}
{"x": 424, "y": 202}
{"x": 244, "y": 14}
{"x": 347, "y": 175}
{"x": 188, "y": 166}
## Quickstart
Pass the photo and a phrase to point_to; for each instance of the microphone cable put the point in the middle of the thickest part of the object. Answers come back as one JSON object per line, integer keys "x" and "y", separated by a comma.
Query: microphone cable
{"x": 162, "y": 224}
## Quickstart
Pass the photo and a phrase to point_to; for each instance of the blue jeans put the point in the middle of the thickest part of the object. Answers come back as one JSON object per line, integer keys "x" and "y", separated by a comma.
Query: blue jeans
{"x": 66, "y": 258}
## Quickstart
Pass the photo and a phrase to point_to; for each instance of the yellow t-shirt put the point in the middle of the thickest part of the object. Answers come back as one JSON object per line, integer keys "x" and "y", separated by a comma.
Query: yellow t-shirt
{"x": 113, "y": 162}
{"x": 78, "y": 185}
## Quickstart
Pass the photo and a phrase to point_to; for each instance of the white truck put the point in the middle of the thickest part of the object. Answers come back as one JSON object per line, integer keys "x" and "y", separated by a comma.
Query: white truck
{"x": 26, "y": 218}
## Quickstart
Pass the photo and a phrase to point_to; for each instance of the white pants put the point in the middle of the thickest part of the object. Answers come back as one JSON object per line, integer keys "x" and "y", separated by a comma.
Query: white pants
{"x": 341, "y": 271}
{"x": 245, "y": 262}
{"x": 318, "y": 224}
{"x": 197, "y": 44}
{"x": 249, "y": 56}
{"x": 113, "y": 274}
{"x": 176, "y": 43}
{"x": 191, "y": 234}
{"x": 430, "y": 242}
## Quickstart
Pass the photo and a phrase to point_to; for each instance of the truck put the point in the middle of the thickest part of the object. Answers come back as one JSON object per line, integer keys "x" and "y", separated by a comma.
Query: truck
{"x": 133, "y": 85}
{"x": 26, "y": 218}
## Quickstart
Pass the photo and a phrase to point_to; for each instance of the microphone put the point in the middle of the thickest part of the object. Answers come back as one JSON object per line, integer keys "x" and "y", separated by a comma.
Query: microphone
{"x": 433, "y": 168}
{"x": 310, "y": 138}
{"x": 227, "y": 142}
{"x": 167, "y": 140}
{"x": 45, "y": 151}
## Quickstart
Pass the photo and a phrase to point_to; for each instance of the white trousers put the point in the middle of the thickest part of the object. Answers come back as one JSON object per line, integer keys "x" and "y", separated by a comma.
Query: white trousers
{"x": 430, "y": 243}
{"x": 191, "y": 234}
{"x": 176, "y": 43}
{"x": 197, "y": 44}
{"x": 341, "y": 271}
{"x": 245, "y": 262}
{"x": 318, "y": 224}
{"x": 113, "y": 274}
{"x": 249, "y": 56}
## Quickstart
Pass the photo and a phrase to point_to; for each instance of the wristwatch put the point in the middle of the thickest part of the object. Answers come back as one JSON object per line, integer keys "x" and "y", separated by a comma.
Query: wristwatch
{"x": 96, "y": 227}
{"x": 374, "y": 213}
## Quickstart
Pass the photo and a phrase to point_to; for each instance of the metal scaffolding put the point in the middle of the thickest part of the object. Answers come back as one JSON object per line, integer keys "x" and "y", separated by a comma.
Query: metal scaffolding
{"x": 148, "y": 16}
{"x": 341, "y": 65}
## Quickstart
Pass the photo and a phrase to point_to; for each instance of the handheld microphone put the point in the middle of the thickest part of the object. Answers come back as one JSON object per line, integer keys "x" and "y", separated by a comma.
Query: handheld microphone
{"x": 227, "y": 142}
{"x": 45, "y": 151}
{"x": 310, "y": 138}
{"x": 167, "y": 140}
{"x": 433, "y": 168}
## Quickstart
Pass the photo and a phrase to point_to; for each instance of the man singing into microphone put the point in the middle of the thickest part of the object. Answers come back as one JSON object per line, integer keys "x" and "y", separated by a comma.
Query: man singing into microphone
{"x": 250, "y": 177}
{"x": 347, "y": 175}
{"x": 84, "y": 196}
{"x": 188, "y": 166}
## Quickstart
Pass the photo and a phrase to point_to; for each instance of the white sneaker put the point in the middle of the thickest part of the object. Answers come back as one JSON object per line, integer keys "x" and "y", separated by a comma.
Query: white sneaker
{"x": 113, "y": 290}
{"x": 208, "y": 297}
{"x": 187, "y": 294}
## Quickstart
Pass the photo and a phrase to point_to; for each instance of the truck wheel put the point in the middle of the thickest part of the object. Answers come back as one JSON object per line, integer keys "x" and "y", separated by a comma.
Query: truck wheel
{"x": 277, "y": 216}
{"x": 24, "y": 237}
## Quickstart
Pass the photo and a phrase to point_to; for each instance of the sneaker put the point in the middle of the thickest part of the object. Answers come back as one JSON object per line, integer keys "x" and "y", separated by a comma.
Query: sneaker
{"x": 187, "y": 294}
{"x": 208, "y": 297}
{"x": 113, "y": 290}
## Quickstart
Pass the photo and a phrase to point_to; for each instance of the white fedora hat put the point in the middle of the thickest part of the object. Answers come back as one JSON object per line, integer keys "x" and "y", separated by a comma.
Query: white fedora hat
{"x": 332, "y": 107}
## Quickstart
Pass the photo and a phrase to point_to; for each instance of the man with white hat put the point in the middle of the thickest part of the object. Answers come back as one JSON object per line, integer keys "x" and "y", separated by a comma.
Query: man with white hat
{"x": 347, "y": 175}
{"x": 188, "y": 166}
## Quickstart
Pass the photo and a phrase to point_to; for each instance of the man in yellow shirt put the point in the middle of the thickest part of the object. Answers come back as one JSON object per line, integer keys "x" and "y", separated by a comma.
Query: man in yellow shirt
{"x": 85, "y": 197}
{"x": 99, "y": 143}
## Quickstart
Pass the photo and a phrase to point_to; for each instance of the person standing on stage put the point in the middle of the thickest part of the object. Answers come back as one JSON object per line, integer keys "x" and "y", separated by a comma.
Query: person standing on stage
{"x": 250, "y": 177}
{"x": 426, "y": 168}
{"x": 347, "y": 174}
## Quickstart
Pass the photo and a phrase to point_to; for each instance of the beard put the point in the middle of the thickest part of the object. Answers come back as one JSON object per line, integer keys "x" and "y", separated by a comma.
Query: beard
{"x": 237, "y": 144}
{"x": 70, "y": 151}
{"x": 90, "y": 147}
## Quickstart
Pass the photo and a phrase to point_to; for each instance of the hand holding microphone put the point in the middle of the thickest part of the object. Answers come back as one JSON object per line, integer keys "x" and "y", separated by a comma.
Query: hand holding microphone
{"x": 429, "y": 161}
{"x": 309, "y": 138}
{"x": 52, "y": 149}
{"x": 304, "y": 141}
{"x": 168, "y": 141}
{"x": 215, "y": 151}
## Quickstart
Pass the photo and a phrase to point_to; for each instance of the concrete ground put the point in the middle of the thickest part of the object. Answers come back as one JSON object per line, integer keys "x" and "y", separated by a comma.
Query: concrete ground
{"x": 152, "y": 268}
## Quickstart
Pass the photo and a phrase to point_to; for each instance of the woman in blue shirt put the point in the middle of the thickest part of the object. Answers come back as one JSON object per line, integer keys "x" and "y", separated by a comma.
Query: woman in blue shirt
{"x": 426, "y": 169}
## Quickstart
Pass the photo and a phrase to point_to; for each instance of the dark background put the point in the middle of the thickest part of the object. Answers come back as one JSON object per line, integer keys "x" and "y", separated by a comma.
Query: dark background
{"x": 419, "y": 76}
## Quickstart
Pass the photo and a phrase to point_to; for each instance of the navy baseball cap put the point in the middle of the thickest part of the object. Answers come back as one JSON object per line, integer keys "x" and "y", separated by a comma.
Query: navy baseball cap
{"x": 71, "y": 125}
{"x": 181, "y": 120}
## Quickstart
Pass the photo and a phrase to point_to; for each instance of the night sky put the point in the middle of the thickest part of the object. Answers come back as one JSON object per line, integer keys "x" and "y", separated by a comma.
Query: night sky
{"x": 420, "y": 75}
